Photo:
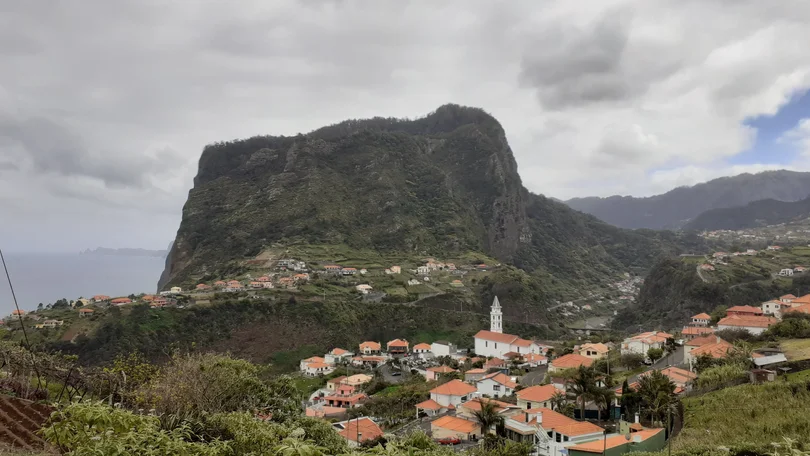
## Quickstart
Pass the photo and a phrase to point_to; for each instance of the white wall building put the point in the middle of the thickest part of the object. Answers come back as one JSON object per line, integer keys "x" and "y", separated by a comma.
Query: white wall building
{"x": 442, "y": 348}
{"x": 495, "y": 343}
{"x": 496, "y": 385}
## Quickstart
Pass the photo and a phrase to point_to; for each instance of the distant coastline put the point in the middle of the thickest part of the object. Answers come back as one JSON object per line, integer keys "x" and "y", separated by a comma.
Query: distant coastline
{"x": 125, "y": 252}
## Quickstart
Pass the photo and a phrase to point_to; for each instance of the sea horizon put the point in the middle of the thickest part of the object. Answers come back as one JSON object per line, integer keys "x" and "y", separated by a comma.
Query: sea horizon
{"x": 46, "y": 277}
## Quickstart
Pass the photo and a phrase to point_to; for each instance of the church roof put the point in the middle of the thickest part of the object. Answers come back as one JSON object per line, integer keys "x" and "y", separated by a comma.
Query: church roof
{"x": 495, "y": 303}
{"x": 496, "y": 337}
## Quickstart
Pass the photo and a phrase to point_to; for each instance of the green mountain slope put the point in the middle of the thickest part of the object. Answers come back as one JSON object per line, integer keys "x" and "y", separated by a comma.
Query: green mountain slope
{"x": 675, "y": 208}
{"x": 755, "y": 214}
{"x": 442, "y": 184}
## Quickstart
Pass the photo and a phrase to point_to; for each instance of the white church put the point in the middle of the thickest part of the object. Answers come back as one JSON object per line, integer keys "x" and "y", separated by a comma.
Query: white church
{"x": 495, "y": 343}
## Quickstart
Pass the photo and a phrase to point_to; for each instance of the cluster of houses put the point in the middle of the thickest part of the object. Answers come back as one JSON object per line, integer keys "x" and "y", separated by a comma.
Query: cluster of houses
{"x": 452, "y": 405}
{"x": 720, "y": 258}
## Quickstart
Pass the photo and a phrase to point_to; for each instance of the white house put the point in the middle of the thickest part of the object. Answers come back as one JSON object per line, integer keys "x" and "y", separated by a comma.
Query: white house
{"x": 422, "y": 270}
{"x": 337, "y": 356}
{"x": 786, "y": 272}
{"x": 754, "y": 324}
{"x": 176, "y": 290}
{"x": 442, "y": 348}
{"x": 774, "y": 307}
{"x": 447, "y": 396}
{"x": 422, "y": 348}
{"x": 315, "y": 366}
{"x": 363, "y": 288}
{"x": 495, "y": 343}
{"x": 641, "y": 343}
{"x": 549, "y": 431}
{"x": 496, "y": 385}
{"x": 701, "y": 319}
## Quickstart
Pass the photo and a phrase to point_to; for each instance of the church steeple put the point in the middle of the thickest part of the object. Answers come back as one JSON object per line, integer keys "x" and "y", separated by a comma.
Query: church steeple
{"x": 496, "y": 317}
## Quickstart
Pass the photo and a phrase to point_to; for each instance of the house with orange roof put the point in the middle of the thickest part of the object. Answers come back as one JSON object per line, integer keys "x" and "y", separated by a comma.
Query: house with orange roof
{"x": 370, "y": 348}
{"x": 453, "y": 426}
{"x": 682, "y": 378}
{"x": 434, "y": 373}
{"x": 345, "y": 397}
{"x": 320, "y": 410}
{"x": 202, "y": 287}
{"x": 85, "y": 312}
{"x": 358, "y": 430}
{"x": 467, "y": 409}
{"x": 649, "y": 440}
{"x": 701, "y": 319}
{"x": 120, "y": 301}
{"x": 594, "y": 351}
{"x": 800, "y": 301}
{"x": 286, "y": 282}
{"x": 787, "y": 299}
{"x": 496, "y": 385}
{"x": 17, "y": 313}
{"x": 220, "y": 284}
{"x": 537, "y": 396}
{"x": 315, "y": 366}
{"x": 570, "y": 361}
{"x": 743, "y": 311}
{"x": 333, "y": 268}
{"x": 397, "y": 347}
{"x": 804, "y": 308}
{"x": 101, "y": 298}
{"x": 754, "y": 324}
{"x": 348, "y": 271}
{"x": 641, "y": 343}
{"x": 473, "y": 375}
{"x": 334, "y": 383}
{"x": 690, "y": 332}
{"x": 446, "y": 397}
{"x": 717, "y": 349}
{"x": 496, "y": 343}
{"x": 421, "y": 348}
{"x": 775, "y": 307}
{"x": 495, "y": 363}
{"x": 338, "y": 356}
{"x": 551, "y": 432}
{"x": 368, "y": 361}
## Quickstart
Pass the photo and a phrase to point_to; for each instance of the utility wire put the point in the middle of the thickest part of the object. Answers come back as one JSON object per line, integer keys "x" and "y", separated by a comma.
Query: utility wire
{"x": 22, "y": 325}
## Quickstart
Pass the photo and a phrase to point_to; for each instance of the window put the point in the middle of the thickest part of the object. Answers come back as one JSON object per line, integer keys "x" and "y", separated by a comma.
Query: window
{"x": 486, "y": 344}
{"x": 496, "y": 387}
{"x": 463, "y": 398}
{"x": 496, "y": 345}
{"x": 565, "y": 438}
{"x": 557, "y": 437}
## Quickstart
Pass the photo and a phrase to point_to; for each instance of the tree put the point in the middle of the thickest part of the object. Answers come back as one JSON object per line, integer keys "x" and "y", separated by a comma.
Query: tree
{"x": 631, "y": 361}
{"x": 294, "y": 447}
{"x": 670, "y": 346}
{"x": 39, "y": 307}
{"x": 488, "y": 416}
{"x": 630, "y": 400}
{"x": 583, "y": 386}
{"x": 602, "y": 398}
{"x": 657, "y": 393}
{"x": 558, "y": 401}
{"x": 655, "y": 354}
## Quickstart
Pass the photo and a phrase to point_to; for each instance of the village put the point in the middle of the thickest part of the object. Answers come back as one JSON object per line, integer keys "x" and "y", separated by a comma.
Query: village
{"x": 528, "y": 383}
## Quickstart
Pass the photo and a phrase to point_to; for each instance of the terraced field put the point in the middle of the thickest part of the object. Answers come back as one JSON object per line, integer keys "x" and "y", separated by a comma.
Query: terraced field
{"x": 20, "y": 420}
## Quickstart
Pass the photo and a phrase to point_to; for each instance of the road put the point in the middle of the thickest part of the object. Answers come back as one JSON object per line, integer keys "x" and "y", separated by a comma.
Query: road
{"x": 675, "y": 358}
{"x": 387, "y": 373}
{"x": 700, "y": 274}
{"x": 534, "y": 377}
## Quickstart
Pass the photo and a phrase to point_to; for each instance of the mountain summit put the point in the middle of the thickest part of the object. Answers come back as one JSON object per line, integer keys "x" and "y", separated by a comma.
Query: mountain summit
{"x": 441, "y": 184}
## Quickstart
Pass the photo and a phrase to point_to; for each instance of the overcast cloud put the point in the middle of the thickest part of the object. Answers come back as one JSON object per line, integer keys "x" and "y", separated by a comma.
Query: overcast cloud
{"x": 106, "y": 106}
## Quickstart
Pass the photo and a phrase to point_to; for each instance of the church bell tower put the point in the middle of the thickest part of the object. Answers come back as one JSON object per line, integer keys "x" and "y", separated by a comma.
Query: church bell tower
{"x": 496, "y": 317}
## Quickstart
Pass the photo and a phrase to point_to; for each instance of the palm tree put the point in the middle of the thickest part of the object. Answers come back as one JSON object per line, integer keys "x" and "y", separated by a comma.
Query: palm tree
{"x": 583, "y": 387}
{"x": 488, "y": 416}
{"x": 657, "y": 393}
{"x": 558, "y": 401}
{"x": 603, "y": 398}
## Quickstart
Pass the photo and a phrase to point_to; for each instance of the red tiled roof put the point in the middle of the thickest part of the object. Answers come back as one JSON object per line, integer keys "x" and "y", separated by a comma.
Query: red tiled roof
{"x": 454, "y": 388}
{"x": 804, "y": 308}
{"x": 429, "y": 404}
{"x": 701, "y": 341}
{"x": 442, "y": 369}
{"x": 367, "y": 429}
{"x": 495, "y": 337}
{"x": 651, "y": 337}
{"x": 398, "y": 343}
{"x": 422, "y": 346}
{"x": 715, "y": 350}
{"x": 456, "y": 424}
{"x": 501, "y": 378}
{"x": 85, "y": 310}
{"x": 538, "y": 393}
{"x": 676, "y": 374}
{"x": 696, "y": 330}
{"x": 476, "y": 371}
{"x": 370, "y": 345}
{"x": 475, "y": 404}
{"x": 552, "y": 420}
{"x": 571, "y": 361}
{"x": 747, "y": 321}
{"x": 744, "y": 309}
{"x": 702, "y": 316}
{"x": 787, "y": 296}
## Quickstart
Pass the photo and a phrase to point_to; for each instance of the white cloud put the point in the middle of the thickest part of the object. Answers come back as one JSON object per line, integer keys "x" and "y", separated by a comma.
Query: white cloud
{"x": 799, "y": 136}
{"x": 594, "y": 98}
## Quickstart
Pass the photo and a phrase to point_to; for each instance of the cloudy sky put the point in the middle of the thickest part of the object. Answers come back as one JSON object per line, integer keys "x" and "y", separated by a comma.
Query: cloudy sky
{"x": 105, "y": 106}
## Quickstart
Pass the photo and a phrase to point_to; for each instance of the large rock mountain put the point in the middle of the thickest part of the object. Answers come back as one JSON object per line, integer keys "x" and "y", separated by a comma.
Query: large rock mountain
{"x": 752, "y": 215}
{"x": 441, "y": 184}
{"x": 672, "y": 210}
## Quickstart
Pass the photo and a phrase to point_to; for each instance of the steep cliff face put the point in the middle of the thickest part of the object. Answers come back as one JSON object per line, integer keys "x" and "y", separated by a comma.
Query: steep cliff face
{"x": 446, "y": 182}
{"x": 443, "y": 184}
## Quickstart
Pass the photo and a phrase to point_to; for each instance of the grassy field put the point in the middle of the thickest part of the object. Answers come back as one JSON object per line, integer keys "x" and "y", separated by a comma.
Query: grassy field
{"x": 796, "y": 349}
{"x": 746, "y": 415}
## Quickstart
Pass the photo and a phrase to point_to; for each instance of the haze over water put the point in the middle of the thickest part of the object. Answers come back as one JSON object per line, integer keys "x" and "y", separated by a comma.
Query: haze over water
{"x": 45, "y": 277}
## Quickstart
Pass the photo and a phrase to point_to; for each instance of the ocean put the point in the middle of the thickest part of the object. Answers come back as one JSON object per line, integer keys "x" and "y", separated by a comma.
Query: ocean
{"x": 45, "y": 278}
